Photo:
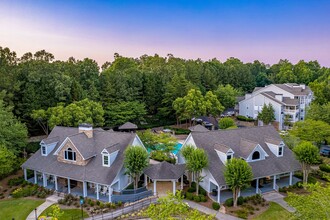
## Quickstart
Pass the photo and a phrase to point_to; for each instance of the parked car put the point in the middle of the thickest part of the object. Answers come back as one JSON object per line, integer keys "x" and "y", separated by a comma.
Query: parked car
{"x": 325, "y": 152}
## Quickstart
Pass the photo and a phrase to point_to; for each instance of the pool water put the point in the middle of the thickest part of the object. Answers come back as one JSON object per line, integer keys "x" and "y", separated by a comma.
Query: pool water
{"x": 177, "y": 148}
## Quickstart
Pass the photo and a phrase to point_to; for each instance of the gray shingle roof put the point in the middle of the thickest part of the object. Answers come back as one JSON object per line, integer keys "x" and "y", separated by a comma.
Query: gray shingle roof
{"x": 246, "y": 147}
{"x": 198, "y": 128}
{"x": 289, "y": 101}
{"x": 294, "y": 88}
{"x": 271, "y": 95}
{"x": 165, "y": 171}
{"x": 93, "y": 171}
{"x": 85, "y": 145}
{"x": 221, "y": 147}
{"x": 51, "y": 140}
{"x": 232, "y": 138}
{"x": 128, "y": 125}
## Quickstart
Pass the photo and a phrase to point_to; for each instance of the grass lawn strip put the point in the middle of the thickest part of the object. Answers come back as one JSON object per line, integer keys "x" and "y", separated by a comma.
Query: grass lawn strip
{"x": 274, "y": 212}
{"x": 68, "y": 213}
{"x": 18, "y": 208}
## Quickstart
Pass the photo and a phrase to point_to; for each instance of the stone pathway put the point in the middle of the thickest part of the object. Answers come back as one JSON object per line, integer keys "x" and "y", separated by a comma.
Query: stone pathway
{"x": 49, "y": 201}
{"x": 206, "y": 210}
{"x": 278, "y": 198}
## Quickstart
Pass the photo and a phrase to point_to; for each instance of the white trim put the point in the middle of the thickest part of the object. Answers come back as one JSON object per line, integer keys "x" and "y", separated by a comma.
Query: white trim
{"x": 254, "y": 150}
{"x": 61, "y": 146}
{"x": 104, "y": 151}
{"x": 108, "y": 156}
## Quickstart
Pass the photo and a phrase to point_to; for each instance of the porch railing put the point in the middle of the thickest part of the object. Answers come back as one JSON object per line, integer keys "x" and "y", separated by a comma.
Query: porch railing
{"x": 133, "y": 191}
{"x": 131, "y": 197}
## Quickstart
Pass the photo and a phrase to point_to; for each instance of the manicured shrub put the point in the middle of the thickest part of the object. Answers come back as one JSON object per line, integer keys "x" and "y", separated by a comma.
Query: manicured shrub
{"x": 240, "y": 200}
{"x": 189, "y": 196}
{"x": 243, "y": 118}
{"x": 193, "y": 184}
{"x": 325, "y": 168}
{"x": 215, "y": 206}
{"x": 202, "y": 191}
{"x": 119, "y": 203}
{"x": 225, "y": 123}
{"x": 312, "y": 180}
{"x": 197, "y": 198}
{"x": 191, "y": 190}
{"x": 229, "y": 202}
{"x": 203, "y": 198}
{"x": 16, "y": 181}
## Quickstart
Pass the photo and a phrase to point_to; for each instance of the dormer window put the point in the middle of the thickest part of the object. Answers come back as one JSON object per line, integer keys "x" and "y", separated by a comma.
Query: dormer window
{"x": 43, "y": 150}
{"x": 106, "y": 160}
{"x": 280, "y": 150}
{"x": 256, "y": 155}
{"x": 69, "y": 154}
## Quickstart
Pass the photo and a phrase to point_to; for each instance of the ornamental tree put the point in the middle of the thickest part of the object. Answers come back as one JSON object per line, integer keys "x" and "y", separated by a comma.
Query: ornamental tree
{"x": 307, "y": 154}
{"x": 186, "y": 152}
{"x": 238, "y": 175}
{"x": 135, "y": 160}
{"x": 196, "y": 162}
{"x": 267, "y": 114}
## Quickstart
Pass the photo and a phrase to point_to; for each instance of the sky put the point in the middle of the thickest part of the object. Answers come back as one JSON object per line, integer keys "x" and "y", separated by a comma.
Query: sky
{"x": 249, "y": 30}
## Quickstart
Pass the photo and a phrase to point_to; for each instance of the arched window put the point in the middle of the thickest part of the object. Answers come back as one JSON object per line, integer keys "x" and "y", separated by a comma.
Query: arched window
{"x": 256, "y": 155}
{"x": 69, "y": 154}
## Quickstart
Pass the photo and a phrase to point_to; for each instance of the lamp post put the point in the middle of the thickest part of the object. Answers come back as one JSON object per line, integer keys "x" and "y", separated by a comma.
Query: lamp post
{"x": 35, "y": 212}
{"x": 81, "y": 205}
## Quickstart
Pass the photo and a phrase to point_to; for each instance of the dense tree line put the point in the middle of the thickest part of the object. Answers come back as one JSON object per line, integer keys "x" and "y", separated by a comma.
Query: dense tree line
{"x": 131, "y": 88}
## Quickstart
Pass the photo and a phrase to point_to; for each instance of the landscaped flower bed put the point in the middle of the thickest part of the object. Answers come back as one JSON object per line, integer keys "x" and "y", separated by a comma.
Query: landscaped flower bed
{"x": 93, "y": 207}
{"x": 29, "y": 189}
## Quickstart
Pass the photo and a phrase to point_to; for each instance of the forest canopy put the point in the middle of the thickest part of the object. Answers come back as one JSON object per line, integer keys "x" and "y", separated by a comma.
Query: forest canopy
{"x": 138, "y": 89}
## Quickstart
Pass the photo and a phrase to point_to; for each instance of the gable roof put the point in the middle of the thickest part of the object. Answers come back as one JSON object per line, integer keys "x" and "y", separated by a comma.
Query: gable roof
{"x": 232, "y": 138}
{"x": 128, "y": 126}
{"x": 93, "y": 171}
{"x": 221, "y": 147}
{"x": 165, "y": 171}
{"x": 85, "y": 145}
{"x": 246, "y": 147}
{"x": 198, "y": 128}
{"x": 294, "y": 88}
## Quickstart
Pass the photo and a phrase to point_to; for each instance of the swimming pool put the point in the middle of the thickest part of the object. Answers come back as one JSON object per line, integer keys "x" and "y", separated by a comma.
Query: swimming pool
{"x": 177, "y": 148}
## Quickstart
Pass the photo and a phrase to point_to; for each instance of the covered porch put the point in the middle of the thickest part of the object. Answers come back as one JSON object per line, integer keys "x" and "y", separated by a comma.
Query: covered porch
{"x": 258, "y": 186}
{"x": 165, "y": 174}
{"x": 70, "y": 186}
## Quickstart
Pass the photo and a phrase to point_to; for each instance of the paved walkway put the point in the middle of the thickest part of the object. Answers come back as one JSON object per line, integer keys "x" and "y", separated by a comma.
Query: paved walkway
{"x": 49, "y": 201}
{"x": 278, "y": 198}
{"x": 208, "y": 211}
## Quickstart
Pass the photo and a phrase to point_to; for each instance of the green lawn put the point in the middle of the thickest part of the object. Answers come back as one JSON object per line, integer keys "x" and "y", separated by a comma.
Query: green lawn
{"x": 274, "y": 212}
{"x": 18, "y": 208}
{"x": 68, "y": 213}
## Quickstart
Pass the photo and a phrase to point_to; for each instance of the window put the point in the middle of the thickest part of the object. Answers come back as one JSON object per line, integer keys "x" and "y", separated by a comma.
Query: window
{"x": 280, "y": 151}
{"x": 43, "y": 150}
{"x": 229, "y": 157}
{"x": 256, "y": 155}
{"x": 106, "y": 161}
{"x": 69, "y": 154}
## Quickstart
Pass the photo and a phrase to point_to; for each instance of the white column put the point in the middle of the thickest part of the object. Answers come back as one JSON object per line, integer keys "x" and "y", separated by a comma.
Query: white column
{"x": 174, "y": 187}
{"x": 110, "y": 193}
{"x": 155, "y": 187}
{"x": 146, "y": 181}
{"x": 97, "y": 192}
{"x": 219, "y": 194}
{"x": 274, "y": 182}
{"x": 257, "y": 186}
{"x": 84, "y": 188}
{"x": 290, "y": 180}
{"x": 69, "y": 187}
{"x": 44, "y": 180}
{"x": 55, "y": 182}
{"x": 35, "y": 177}
{"x": 182, "y": 182}
{"x": 25, "y": 175}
